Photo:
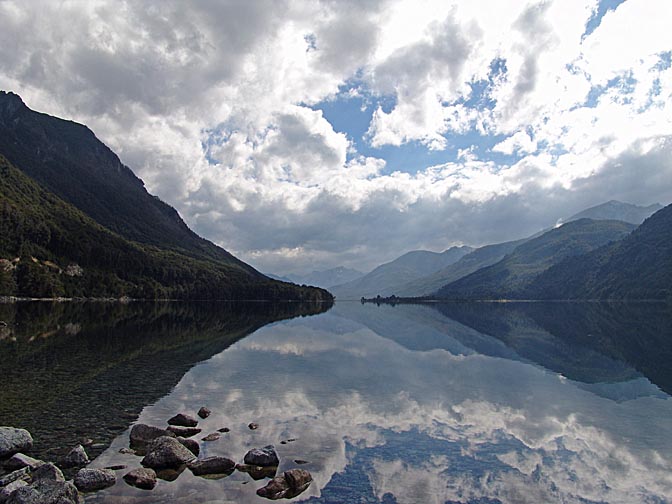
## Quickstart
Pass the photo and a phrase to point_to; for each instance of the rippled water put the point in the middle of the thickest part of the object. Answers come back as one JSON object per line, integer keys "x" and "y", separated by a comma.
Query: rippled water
{"x": 471, "y": 403}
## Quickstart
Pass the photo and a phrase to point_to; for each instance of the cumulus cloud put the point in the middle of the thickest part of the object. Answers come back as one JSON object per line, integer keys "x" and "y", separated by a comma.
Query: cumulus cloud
{"x": 213, "y": 105}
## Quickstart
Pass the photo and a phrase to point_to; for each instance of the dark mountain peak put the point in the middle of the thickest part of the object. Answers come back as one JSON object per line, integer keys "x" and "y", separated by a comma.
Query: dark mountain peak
{"x": 10, "y": 103}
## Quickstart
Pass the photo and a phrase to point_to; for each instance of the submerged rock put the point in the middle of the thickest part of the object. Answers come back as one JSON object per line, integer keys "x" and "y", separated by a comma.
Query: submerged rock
{"x": 191, "y": 445}
{"x": 45, "y": 492}
{"x": 76, "y": 458}
{"x": 204, "y": 412}
{"x": 212, "y": 465}
{"x": 212, "y": 437}
{"x": 90, "y": 480}
{"x": 19, "y": 460}
{"x": 184, "y": 432}
{"x": 287, "y": 486}
{"x": 48, "y": 472}
{"x": 253, "y": 426}
{"x": 141, "y": 478}
{"x": 183, "y": 420}
{"x": 166, "y": 452}
{"x": 13, "y": 440}
{"x": 142, "y": 435}
{"x": 224, "y": 429}
{"x": 263, "y": 457}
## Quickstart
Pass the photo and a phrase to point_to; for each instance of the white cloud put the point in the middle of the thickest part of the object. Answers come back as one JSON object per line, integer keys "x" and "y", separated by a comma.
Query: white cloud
{"x": 210, "y": 106}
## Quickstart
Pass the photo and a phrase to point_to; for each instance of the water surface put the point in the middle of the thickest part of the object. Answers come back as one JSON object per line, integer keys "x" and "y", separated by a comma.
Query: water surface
{"x": 470, "y": 403}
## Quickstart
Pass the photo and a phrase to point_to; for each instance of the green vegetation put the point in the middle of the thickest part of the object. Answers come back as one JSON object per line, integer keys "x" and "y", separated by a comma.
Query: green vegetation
{"x": 637, "y": 267}
{"x": 49, "y": 248}
{"x": 510, "y": 277}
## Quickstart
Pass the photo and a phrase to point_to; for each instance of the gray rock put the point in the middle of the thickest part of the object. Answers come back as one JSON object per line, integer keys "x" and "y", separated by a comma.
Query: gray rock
{"x": 212, "y": 465}
{"x": 287, "y": 486}
{"x": 76, "y": 458}
{"x": 45, "y": 492}
{"x": 166, "y": 452}
{"x": 48, "y": 472}
{"x": 13, "y": 440}
{"x": 19, "y": 460}
{"x": 19, "y": 474}
{"x": 183, "y": 431}
{"x": 263, "y": 457}
{"x": 142, "y": 435}
{"x": 90, "y": 480}
{"x": 204, "y": 412}
{"x": 191, "y": 445}
{"x": 183, "y": 420}
{"x": 212, "y": 437}
{"x": 141, "y": 478}
{"x": 6, "y": 491}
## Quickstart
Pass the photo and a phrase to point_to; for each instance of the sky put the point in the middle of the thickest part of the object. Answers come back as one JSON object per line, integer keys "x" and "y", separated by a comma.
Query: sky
{"x": 303, "y": 135}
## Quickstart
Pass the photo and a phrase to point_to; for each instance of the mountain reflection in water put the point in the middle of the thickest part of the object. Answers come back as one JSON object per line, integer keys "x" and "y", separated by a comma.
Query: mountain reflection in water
{"x": 471, "y": 403}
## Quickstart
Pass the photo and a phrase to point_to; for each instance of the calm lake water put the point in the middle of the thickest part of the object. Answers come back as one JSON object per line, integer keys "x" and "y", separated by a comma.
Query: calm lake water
{"x": 470, "y": 403}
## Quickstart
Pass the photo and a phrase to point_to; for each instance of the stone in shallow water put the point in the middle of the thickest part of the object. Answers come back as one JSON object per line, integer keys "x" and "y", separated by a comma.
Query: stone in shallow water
{"x": 13, "y": 440}
{"x": 224, "y": 429}
{"x": 256, "y": 472}
{"x": 141, "y": 478}
{"x": 166, "y": 452}
{"x": 90, "y": 480}
{"x": 183, "y": 420}
{"x": 204, "y": 412}
{"x": 184, "y": 431}
{"x": 142, "y": 434}
{"x": 212, "y": 437}
{"x": 76, "y": 458}
{"x": 263, "y": 457}
{"x": 287, "y": 486}
{"x": 49, "y": 472}
{"x": 19, "y": 460}
{"x": 212, "y": 465}
{"x": 46, "y": 492}
{"x": 191, "y": 445}
{"x": 253, "y": 426}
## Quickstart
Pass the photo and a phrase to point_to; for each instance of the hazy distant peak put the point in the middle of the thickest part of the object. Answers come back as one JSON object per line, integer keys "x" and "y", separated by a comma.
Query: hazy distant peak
{"x": 617, "y": 210}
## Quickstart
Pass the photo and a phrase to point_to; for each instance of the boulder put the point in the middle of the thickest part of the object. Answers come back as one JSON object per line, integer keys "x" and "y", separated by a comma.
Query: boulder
{"x": 183, "y": 431}
{"x": 48, "y": 472}
{"x": 90, "y": 480}
{"x": 19, "y": 474}
{"x": 19, "y": 460}
{"x": 212, "y": 465}
{"x": 183, "y": 420}
{"x": 263, "y": 457}
{"x": 6, "y": 491}
{"x": 13, "y": 440}
{"x": 214, "y": 436}
{"x": 142, "y": 435}
{"x": 141, "y": 478}
{"x": 77, "y": 457}
{"x": 191, "y": 445}
{"x": 258, "y": 473}
{"x": 287, "y": 486}
{"x": 45, "y": 492}
{"x": 166, "y": 452}
{"x": 204, "y": 412}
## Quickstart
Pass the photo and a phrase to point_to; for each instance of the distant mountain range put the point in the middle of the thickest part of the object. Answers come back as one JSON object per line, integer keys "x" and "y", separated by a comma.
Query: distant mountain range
{"x": 617, "y": 210}
{"x": 74, "y": 221}
{"x": 511, "y": 276}
{"x": 404, "y": 269}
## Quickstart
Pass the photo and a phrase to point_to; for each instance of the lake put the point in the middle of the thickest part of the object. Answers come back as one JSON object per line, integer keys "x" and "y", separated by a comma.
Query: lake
{"x": 457, "y": 402}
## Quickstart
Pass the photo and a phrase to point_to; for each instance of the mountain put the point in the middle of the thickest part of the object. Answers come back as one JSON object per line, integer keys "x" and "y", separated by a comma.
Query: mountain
{"x": 389, "y": 276}
{"x": 67, "y": 159}
{"x": 510, "y": 277}
{"x": 473, "y": 261}
{"x": 637, "y": 267}
{"x": 327, "y": 278}
{"x": 50, "y": 246}
{"x": 617, "y": 210}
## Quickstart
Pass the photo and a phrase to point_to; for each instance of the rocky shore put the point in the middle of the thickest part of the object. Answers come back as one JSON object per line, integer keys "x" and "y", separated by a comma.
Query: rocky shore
{"x": 163, "y": 454}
